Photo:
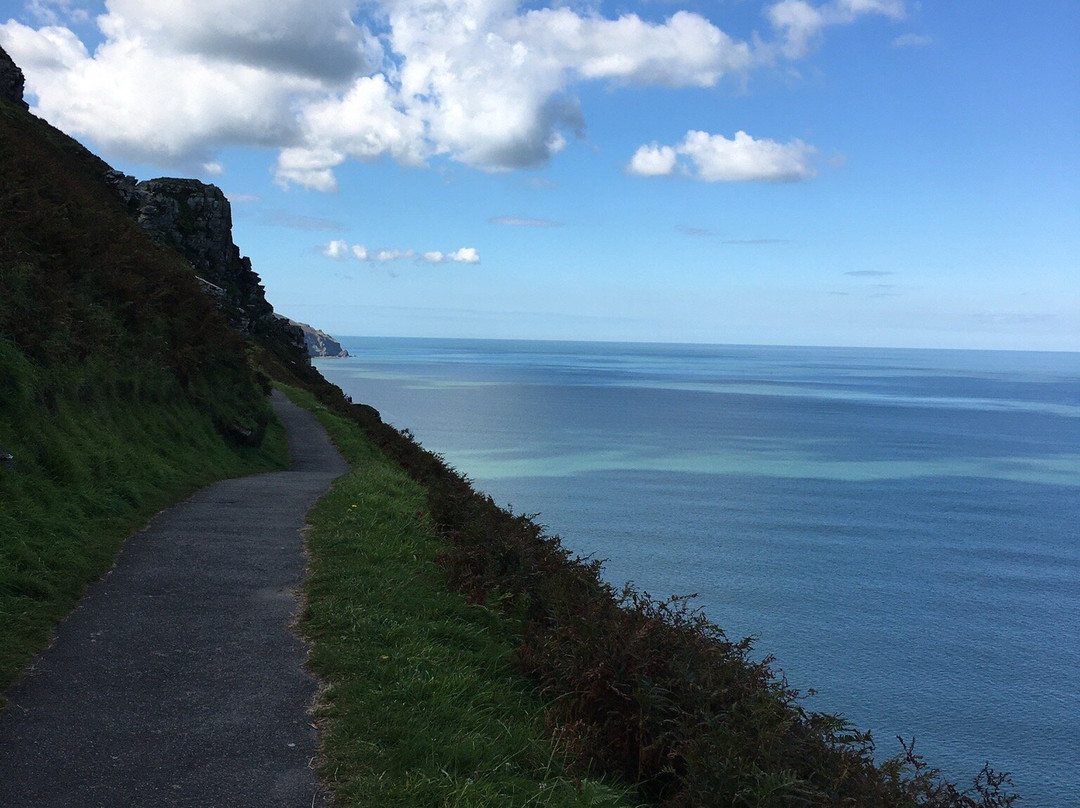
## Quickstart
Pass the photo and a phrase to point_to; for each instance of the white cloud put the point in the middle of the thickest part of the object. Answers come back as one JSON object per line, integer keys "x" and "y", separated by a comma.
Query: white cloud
{"x": 391, "y": 255}
{"x": 294, "y": 37}
{"x": 685, "y": 50}
{"x": 310, "y": 167}
{"x": 339, "y": 248}
{"x": 653, "y": 161}
{"x": 483, "y": 82}
{"x": 364, "y": 124}
{"x": 149, "y": 106}
{"x": 336, "y": 249}
{"x": 714, "y": 158}
{"x": 466, "y": 255}
{"x": 801, "y": 23}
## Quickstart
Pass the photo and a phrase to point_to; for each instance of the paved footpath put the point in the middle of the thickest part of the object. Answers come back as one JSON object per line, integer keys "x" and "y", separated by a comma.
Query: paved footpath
{"x": 177, "y": 681}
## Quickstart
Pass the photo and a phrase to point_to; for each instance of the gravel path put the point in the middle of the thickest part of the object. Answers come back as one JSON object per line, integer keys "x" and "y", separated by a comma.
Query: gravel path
{"x": 177, "y": 682}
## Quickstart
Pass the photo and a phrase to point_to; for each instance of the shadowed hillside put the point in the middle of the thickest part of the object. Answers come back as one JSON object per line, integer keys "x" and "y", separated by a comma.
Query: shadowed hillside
{"x": 122, "y": 384}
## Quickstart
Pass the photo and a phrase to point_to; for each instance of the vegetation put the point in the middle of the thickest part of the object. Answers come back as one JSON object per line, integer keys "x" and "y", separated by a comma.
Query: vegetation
{"x": 122, "y": 388}
{"x": 421, "y": 706}
{"x": 649, "y": 693}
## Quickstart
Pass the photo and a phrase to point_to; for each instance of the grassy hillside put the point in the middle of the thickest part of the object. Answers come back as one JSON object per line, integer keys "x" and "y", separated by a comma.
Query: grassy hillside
{"x": 122, "y": 388}
{"x": 420, "y": 704}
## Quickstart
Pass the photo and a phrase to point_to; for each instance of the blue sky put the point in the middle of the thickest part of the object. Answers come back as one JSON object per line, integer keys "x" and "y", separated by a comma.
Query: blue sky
{"x": 907, "y": 174}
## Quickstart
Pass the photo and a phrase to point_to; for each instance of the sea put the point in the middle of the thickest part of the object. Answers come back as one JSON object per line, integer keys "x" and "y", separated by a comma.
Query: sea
{"x": 900, "y": 529}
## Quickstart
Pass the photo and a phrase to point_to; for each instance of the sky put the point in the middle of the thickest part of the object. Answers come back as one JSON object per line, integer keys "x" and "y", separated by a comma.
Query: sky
{"x": 883, "y": 173}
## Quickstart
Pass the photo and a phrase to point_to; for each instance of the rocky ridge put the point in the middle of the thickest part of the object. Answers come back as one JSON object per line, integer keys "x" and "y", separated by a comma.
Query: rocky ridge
{"x": 12, "y": 81}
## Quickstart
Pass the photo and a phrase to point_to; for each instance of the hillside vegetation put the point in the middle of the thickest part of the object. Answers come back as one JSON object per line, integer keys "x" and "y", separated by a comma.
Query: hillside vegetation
{"x": 122, "y": 386}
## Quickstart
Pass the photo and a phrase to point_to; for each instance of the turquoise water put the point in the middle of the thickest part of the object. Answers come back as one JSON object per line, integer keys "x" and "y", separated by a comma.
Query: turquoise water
{"x": 901, "y": 529}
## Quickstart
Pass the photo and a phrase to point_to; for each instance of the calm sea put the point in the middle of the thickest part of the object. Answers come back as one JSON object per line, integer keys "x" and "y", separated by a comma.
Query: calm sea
{"x": 901, "y": 529}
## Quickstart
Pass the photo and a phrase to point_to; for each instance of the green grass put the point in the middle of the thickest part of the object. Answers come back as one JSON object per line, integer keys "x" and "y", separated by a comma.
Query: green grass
{"x": 90, "y": 469}
{"x": 421, "y": 706}
{"x": 122, "y": 386}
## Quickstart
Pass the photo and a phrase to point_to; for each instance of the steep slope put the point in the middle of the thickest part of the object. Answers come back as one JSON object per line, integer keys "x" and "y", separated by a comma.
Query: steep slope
{"x": 122, "y": 383}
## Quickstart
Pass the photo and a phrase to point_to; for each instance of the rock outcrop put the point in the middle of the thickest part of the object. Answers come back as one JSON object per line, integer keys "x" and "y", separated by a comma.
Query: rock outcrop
{"x": 196, "y": 219}
{"x": 318, "y": 343}
{"x": 12, "y": 81}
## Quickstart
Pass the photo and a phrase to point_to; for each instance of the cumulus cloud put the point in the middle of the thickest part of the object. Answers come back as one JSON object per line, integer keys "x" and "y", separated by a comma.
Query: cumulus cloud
{"x": 146, "y": 105}
{"x": 466, "y": 255}
{"x": 653, "y": 161}
{"x": 364, "y": 123}
{"x": 801, "y": 24}
{"x": 339, "y": 249}
{"x": 488, "y": 83}
{"x": 714, "y": 158}
{"x": 293, "y": 37}
{"x": 685, "y": 50}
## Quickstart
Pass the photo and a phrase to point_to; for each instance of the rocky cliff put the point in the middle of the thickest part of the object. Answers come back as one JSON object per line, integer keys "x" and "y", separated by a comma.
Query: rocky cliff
{"x": 318, "y": 343}
{"x": 195, "y": 219}
{"x": 12, "y": 81}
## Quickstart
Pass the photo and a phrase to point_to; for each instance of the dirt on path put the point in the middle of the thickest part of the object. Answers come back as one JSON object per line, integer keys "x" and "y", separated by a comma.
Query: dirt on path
{"x": 177, "y": 680}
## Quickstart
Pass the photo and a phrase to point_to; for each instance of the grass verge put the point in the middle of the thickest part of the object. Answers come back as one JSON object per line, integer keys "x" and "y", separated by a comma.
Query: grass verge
{"x": 87, "y": 474}
{"x": 421, "y": 706}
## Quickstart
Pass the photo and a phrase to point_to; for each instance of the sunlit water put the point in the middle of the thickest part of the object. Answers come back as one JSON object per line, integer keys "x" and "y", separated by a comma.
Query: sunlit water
{"x": 901, "y": 529}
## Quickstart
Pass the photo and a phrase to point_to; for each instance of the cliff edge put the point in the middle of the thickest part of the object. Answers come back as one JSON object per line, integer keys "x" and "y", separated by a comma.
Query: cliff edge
{"x": 318, "y": 343}
{"x": 12, "y": 81}
{"x": 195, "y": 219}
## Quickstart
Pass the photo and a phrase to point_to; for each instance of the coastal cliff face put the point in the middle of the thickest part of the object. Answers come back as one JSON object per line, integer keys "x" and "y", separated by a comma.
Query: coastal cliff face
{"x": 319, "y": 343}
{"x": 12, "y": 81}
{"x": 195, "y": 219}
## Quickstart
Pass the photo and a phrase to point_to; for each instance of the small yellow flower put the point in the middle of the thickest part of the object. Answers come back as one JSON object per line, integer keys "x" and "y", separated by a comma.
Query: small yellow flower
{"x": 384, "y": 657}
